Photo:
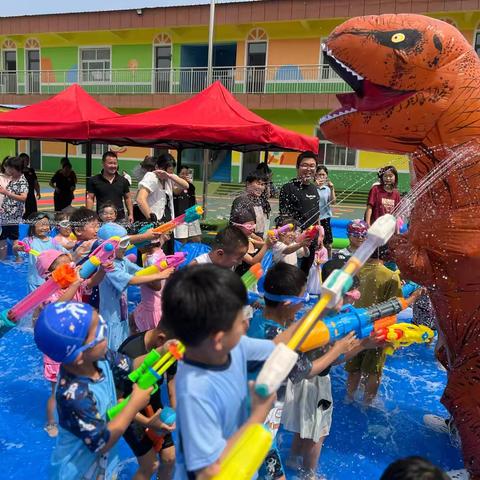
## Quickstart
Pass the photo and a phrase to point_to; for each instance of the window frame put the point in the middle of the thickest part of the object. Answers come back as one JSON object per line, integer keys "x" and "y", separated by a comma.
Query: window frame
{"x": 81, "y": 150}
{"x": 81, "y": 71}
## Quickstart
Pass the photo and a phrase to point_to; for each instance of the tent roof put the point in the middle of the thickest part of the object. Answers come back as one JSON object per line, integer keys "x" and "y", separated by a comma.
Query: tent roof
{"x": 211, "y": 119}
{"x": 63, "y": 117}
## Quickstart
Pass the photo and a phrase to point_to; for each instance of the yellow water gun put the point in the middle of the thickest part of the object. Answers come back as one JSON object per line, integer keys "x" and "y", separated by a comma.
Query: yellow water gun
{"x": 404, "y": 335}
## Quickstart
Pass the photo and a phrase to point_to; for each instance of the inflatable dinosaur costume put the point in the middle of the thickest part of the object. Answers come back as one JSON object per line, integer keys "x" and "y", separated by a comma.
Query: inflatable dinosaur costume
{"x": 416, "y": 83}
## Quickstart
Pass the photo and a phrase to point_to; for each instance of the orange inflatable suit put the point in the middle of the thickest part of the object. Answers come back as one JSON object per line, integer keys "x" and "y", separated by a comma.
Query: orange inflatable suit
{"x": 416, "y": 83}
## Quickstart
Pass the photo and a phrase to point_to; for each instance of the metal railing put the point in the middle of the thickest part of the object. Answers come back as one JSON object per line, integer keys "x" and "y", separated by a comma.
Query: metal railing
{"x": 269, "y": 79}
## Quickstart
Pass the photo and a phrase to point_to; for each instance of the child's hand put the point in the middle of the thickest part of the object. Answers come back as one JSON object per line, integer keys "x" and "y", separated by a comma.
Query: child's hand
{"x": 164, "y": 274}
{"x": 140, "y": 398}
{"x": 376, "y": 340}
{"x": 260, "y": 405}
{"x": 305, "y": 243}
{"x": 155, "y": 423}
{"x": 270, "y": 241}
{"x": 165, "y": 347}
{"x": 108, "y": 266}
{"x": 346, "y": 344}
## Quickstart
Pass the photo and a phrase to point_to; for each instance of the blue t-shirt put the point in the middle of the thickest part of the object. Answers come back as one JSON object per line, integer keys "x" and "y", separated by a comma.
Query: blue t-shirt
{"x": 82, "y": 405}
{"x": 212, "y": 404}
{"x": 324, "y": 194}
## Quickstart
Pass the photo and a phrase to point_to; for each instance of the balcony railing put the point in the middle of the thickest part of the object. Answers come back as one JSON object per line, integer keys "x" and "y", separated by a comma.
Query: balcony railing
{"x": 269, "y": 79}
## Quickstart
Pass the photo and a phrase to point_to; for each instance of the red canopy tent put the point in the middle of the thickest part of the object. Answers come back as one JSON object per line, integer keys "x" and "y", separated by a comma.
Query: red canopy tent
{"x": 212, "y": 119}
{"x": 64, "y": 117}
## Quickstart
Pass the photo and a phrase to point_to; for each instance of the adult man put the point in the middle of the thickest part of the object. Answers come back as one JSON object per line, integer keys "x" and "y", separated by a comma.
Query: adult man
{"x": 299, "y": 199}
{"x": 110, "y": 186}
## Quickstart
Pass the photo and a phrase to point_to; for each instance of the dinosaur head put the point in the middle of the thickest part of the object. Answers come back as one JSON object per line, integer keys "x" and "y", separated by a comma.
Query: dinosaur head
{"x": 405, "y": 71}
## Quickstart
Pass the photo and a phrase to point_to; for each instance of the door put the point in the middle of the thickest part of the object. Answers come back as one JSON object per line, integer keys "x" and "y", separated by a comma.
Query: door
{"x": 256, "y": 61}
{"x": 163, "y": 63}
{"x": 10, "y": 71}
{"x": 35, "y": 152}
{"x": 33, "y": 71}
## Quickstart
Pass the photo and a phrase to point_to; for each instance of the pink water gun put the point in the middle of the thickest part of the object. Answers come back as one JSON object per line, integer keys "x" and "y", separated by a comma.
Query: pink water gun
{"x": 27, "y": 248}
{"x": 283, "y": 229}
{"x": 167, "y": 262}
{"x": 62, "y": 277}
{"x": 102, "y": 254}
{"x": 309, "y": 233}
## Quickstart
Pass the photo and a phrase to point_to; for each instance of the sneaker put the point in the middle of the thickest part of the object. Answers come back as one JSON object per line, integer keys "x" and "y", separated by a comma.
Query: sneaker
{"x": 51, "y": 429}
{"x": 436, "y": 423}
{"x": 458, "y": 474}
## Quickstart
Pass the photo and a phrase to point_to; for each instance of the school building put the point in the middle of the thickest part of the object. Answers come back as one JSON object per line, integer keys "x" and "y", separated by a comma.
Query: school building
{"x": 266, "y": 52}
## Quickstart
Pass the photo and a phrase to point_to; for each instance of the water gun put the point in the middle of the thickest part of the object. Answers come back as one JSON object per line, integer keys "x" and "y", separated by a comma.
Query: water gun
{"x": 247, "y": 455}
{"x": 167, "y": 416}
{"x": 362, "y": 321}
{"x": 404, "y": 334}
{"x": 309, "y": 233}
{"x": 150, "y": 372}
{"x": 62, "y": 277}
{"x": 283, "y": 229}
{"x": 409, "y": 288}
{"x": 252, "y": 276}
{"x": 167, "y": 262}
{"x": 27, "y": 248}
{"x": 102, "y": 254}
{"x": 278, "y": 365}
{"x": 191, "y": 214}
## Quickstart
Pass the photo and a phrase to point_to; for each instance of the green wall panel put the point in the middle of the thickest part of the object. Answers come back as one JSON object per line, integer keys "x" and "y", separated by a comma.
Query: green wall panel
{"x": 61, "y": 58}
{"x": 7, "y": 148}
{"x": 122, "y": 54}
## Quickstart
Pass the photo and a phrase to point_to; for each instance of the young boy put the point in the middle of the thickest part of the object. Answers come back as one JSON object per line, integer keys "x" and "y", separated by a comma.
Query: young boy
{"x": 75, "y": 335}
{"x": 357, "y": 233}
{"x": 287, "y": 249}
{"x": 377, "y": 284}
{"x": 228, "y": 249}
{"x": 135, "y": 435}
{"x": 113, "y": 295}
{"x": 85, "y": 225}
{"x": 203, "y": 307}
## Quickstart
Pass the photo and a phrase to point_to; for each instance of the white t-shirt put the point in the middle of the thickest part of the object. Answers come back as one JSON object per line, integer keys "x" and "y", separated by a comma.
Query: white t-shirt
{"x": 203, "y": 258}
{"x": 290, "y": 258}
{"x": 157, "y": 196}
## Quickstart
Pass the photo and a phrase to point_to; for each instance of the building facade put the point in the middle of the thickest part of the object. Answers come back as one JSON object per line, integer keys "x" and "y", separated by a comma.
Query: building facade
{"x": 268, "y": 53}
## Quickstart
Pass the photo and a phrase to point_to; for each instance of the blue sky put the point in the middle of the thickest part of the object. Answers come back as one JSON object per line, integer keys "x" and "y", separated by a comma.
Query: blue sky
{"x": 29, "y": 7}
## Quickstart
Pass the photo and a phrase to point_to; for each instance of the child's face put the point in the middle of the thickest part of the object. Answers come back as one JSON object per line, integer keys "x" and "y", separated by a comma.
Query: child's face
{"x": 321, "y": 178}
{"x": 255, "y": 188}
{"x": 61, "y": 260}
{"x": 65, "y": 231}
{"x": 99, "y": 350}
{"x": 230, "y": 260}
{"x": 42, "y": 228}
{"x": 355, "y": 242}
{"x": 288, "y": 237}
{"x": 88, "y": 231}
{"x": 388, "y": 178}
{"x": 108, "y": 214}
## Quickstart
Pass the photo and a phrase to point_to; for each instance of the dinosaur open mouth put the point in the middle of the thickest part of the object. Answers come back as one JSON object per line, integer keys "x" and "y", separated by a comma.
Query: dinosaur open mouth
{"x": 366, "y": 96}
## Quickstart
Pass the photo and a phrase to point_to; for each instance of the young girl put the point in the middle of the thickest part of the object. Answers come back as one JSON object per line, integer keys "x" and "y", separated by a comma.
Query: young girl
{"x": 314, "y": 281}
{"x": 383, "y": 198}
{"x": 47, "y": 262}
{"x": 107, "y": 212}
{"x": 326, "y": 193}
{"x": 38, "y": 240}
{"x": 64, "y": 237}
{"x": 287, "y": 249}
{"x": 148, "y": 313}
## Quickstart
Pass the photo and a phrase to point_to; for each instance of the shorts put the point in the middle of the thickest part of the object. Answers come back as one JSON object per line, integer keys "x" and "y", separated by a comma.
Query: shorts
{"x": 272, "y": 467}
{"x": 139, "y": 442}
{"x": 308, "y": 407}
{"x": 368, "y": 361}
{"x": 50, "y": 369}
{"x": 9, "y": 232}
{"x": 187, "y": 230}
{"x": 328, "y": 238}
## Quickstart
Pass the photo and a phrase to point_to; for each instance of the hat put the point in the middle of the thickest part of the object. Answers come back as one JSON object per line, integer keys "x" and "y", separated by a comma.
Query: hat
{"x": 62, "y": 328}
{"x": 45, "y": 260}
{"x": 109, "y": 230}
{"x": 357, "y": 228}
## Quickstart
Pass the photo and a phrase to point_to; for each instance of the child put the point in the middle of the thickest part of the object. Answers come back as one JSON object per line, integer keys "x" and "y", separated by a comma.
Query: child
{"x": 357, "y": 233}
{"x": 314, "y": 281}
{"x": 414, "y": 468}
{"x": 113, "y": 295}
{"x": 203, "y": 307}
{"x": 85, "y": 225}
{"x": 284, "y": 293}
{"x": 228, "y": 249}
{"x": 107, "y": 212}
{"x": 64, "y": 237}
{"x": 287, "y": 249}
{"x": 148, "y": 312}
{"x": 326, "y": 195}
{"x": 47, "y": 262}
{"x": 74, "y": 334}
{"x": 377, "y": 284}
{"x": 38, "y": 239}
{"x": 383, "y": 198}
{"x": 141, "y": 445}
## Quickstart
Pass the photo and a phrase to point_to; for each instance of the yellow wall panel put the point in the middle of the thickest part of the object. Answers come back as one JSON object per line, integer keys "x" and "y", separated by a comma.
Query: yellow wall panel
{"x": 374, "y": 160}
{"x": 299, "y": 52}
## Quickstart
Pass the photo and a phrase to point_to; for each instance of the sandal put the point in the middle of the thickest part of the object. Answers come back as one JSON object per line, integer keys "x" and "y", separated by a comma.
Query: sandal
{"x": 51, "y": 429}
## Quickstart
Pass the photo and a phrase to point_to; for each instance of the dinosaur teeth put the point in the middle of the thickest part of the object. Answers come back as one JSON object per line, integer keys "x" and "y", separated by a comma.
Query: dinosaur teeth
{"x": 348, "y": 69}
{"x": 336, "y": 114}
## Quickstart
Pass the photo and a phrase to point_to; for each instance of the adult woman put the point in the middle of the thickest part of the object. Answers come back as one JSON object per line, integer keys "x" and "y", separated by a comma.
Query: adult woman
{"x": 155, "y": 192}
{"x": 326, "y": 193}
{"x": 13, "y": 206}
{"x": 64, "y": 182}
{"x": 33, "y": 186}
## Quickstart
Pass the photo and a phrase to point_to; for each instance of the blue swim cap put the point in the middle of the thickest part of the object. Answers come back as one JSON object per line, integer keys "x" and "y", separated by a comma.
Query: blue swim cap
{"x": 109, "y": 230}
{"x": 62, "y": 328}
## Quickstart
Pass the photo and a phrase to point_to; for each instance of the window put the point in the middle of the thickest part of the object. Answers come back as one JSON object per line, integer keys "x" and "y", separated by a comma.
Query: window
{"x": 95, "y": 65}
{"x": 335, "y": 155}
{"x": 97, "y": 148}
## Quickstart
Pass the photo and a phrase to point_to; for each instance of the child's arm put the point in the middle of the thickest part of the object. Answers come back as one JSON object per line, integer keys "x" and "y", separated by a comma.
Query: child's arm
{"x": 70, "y": 292}
{"x": 259, "y": 256}
{"x": 297, "y": 246}
{"x": 96, "y": 278}
{"x": 142, "y": 279}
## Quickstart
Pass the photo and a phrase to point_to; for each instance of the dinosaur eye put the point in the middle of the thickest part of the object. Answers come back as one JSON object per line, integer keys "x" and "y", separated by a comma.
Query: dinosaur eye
{"x": 398, "y": 37}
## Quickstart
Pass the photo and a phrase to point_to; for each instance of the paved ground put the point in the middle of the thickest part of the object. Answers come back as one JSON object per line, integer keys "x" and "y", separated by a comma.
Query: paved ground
{"x": 218, "y": 207}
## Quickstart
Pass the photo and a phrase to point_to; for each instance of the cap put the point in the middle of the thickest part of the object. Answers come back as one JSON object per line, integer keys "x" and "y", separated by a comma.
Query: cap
{"x": 109, "y": 230}
{"x": 62, "y": 328}
{"x": 45, "y": 260}
{"x": 357, "y": 228}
